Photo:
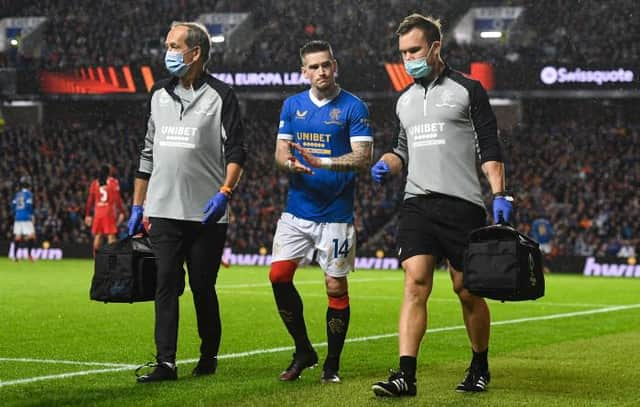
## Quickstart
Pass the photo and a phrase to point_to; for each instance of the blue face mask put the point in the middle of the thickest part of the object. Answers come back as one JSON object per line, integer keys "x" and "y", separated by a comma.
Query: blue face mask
{"x": 174, "y": 62}
{"x": 419, "y": 68}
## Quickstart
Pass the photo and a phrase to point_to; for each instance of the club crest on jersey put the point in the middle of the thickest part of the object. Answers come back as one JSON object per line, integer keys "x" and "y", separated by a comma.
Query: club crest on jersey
{"x": 301, "y": 115}
{"x": 334, "y": 114}
{"x": 447, "y": 99}
{"x": 165, "y": 99}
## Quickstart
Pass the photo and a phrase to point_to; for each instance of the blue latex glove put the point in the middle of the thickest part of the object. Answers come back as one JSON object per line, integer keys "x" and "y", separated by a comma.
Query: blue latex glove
{"x": 135, "y": 221}
{"x": 215, "y": 208}
{"x": 502, "y": 208}
{"x": 379, "y": 172}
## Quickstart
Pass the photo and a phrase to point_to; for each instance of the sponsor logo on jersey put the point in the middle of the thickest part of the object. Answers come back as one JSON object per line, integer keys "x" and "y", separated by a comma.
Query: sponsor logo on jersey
{"x": 301, "y": 115}
{"x": 317, "y": 137}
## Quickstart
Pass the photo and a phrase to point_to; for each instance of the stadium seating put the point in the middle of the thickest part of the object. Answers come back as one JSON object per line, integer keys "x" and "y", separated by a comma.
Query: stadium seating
{"x": 588, "y": 190}
{"x": 132, "y": 32}
{"x": 590, "y": 207}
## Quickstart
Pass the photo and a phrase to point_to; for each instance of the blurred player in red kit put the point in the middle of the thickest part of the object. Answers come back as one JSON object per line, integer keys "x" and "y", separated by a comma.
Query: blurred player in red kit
{"x": 104, "y": 198}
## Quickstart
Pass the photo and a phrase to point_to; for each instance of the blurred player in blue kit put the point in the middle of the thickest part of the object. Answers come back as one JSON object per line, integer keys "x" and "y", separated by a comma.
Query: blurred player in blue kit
{"x": 324, "y": 139}
{"x": 23, "y": 227}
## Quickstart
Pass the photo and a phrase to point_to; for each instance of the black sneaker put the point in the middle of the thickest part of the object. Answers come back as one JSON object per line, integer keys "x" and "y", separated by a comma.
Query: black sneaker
{"x": 329, "y": 376}
{"x": 162, "y": 371}
{"x": 205, "y": 366}
{"x": 397, "y": 386}
{"x": 475, "y": 381}
{"x": 298, "y": 364}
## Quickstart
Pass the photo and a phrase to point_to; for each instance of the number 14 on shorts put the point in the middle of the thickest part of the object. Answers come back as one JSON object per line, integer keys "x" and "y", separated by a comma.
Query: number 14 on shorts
{"x": 340, "y": 250}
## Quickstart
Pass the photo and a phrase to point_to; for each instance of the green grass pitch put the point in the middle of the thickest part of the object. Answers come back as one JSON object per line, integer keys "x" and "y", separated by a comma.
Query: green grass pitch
{"x": 577, "y": 346}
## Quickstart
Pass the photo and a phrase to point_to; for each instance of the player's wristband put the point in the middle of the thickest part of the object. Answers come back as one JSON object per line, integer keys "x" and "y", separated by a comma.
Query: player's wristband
{"x": 325, "y": 162}
{"x": 289, "y": 163}
{"x": 226, "y": 190}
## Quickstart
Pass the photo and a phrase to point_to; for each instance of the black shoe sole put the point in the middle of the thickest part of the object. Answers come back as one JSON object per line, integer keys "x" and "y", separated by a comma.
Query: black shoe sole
{"x": 313, "y": 366}
{"x": 197, "y": 373}
{"x": 382, "y": 392}
{"x": 142, "y": 379}
{"x": 471, "y": 390}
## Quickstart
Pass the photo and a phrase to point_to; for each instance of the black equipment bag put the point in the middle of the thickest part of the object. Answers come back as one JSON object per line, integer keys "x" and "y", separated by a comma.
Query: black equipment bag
{"x": 124, "y": 271}
{"x": 503, "y": 264}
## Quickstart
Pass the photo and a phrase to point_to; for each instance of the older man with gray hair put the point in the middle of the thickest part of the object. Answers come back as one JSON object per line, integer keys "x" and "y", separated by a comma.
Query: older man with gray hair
{"x": 190, "y": 163}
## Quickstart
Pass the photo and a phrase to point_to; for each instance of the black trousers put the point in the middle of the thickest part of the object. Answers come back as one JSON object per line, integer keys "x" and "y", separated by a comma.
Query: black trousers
{"x": 173, "y": 242}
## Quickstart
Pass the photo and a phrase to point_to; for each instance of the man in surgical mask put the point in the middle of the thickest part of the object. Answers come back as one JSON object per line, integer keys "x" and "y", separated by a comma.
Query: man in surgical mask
{"x": 181, "y": 57}
{"x": 444, "y": 116}
{"x": 189, "y": 165}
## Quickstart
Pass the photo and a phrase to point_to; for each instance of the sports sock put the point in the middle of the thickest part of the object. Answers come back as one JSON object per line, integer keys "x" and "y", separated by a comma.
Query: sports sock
{"x": 291, "y": 311}
{"x": 338, "y": 314}
{"x": 480, "y": 359}
{"x": 408, "y": 366}
{"x": 19, "y": 244}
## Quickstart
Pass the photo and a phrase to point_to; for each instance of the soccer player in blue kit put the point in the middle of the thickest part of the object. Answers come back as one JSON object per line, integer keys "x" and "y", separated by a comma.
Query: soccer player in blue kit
{"x": 23, "y": 229}
{"x": 324, "y": 139}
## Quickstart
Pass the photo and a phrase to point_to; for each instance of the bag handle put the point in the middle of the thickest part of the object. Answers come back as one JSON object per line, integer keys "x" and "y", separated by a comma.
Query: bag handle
{"x": 503, "y": 226}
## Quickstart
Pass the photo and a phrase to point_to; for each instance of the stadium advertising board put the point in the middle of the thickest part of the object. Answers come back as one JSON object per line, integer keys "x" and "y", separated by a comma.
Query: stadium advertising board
{"x": 595, "y": 266}
{"x": 262, "y": 79}
{"x": 98, "y": 80}
{"x": 140, "y": 79}
{"x": 587, "y": 266}
{"x": 552, "y": 75}
{"x": 362, "y": 263}
{"x": 37, "y": 253}
{"x": 238, "y": 259}
{"x": 568, "y": 77}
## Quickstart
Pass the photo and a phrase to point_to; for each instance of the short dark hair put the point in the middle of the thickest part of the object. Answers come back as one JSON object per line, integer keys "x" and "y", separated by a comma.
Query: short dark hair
{"x": 430, "y": 26}
{"x": 104, "y": 173}
{"x": 315, "y": 46}
{"x": 197, "y": 36}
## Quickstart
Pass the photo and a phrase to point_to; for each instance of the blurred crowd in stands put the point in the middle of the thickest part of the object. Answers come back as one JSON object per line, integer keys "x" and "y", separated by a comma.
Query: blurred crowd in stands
{"x": 583, "y": 178}
{"x": 86, "y": 32}
{"x": 62, "y": 158}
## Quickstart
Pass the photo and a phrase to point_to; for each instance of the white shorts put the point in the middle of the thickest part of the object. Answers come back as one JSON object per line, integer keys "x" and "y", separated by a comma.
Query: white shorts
{"x": 23, "y": 228}
{"x": 297, "y": 238}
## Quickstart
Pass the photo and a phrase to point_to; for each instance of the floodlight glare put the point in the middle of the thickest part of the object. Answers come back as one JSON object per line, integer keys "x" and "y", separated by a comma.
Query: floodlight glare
{"x": 491, "y": 34}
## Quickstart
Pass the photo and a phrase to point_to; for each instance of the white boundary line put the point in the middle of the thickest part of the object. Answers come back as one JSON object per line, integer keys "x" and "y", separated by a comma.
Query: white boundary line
{"x": 398, "y": 298}
{"x": 309, "y": 282}
{"x": 66, "y": 362}
{"x": 123, "y": 367}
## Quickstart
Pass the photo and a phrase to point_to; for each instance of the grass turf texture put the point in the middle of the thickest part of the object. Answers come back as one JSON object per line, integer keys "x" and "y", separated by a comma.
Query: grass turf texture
{"x": 575, "y": 357}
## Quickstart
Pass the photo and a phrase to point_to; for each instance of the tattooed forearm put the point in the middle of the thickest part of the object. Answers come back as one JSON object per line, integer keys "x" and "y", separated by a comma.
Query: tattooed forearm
{"x": 357, "y": 160}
